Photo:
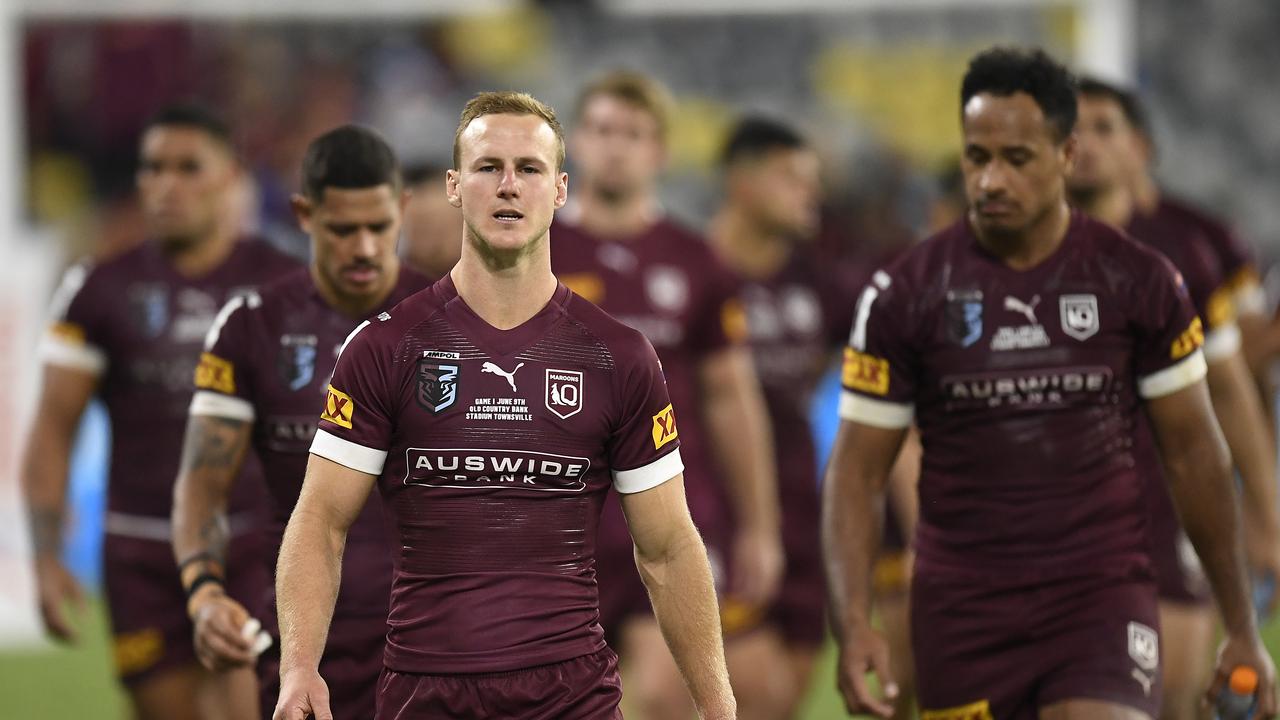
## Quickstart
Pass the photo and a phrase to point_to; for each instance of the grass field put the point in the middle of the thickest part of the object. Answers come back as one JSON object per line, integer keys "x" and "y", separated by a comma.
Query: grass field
{"x": 70, "y": 684}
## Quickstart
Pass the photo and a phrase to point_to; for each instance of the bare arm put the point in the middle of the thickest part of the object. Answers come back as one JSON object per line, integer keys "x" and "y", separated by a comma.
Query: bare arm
{"x": 738, "y": 423}
{"x": 212, "y": 453}
{"x": 673, "y": 565}
{"x": 63, "y": 398}
{"x": 307, "y": 577}
{"x": 904, "y": 478}
{"x": 852, "y": 516}
{"x": 1199, "y": 476}
{"x": 1239, "y": 411}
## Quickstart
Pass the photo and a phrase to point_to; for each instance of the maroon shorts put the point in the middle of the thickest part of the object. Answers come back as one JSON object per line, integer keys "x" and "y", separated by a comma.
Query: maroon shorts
{"x": 1010, "y": 649}
{"x": 148, "y": 608}
{"x": 1179, "y": 577}
{"x": 584, "y": 688}
{"x": 350, "y": 666}
{"x": 799, "y": 611}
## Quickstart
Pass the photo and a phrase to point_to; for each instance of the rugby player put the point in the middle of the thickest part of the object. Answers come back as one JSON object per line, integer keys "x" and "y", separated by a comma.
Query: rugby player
{"x": 432, "y": 227}
{"x": 494, "y": 410}
{"x": 129, "y": 330}
{"x": 265, "y": 369}
{"x": 617, "y": 248}
{"x": 1023, "y": 342}
{"x": 1108, "y": 152}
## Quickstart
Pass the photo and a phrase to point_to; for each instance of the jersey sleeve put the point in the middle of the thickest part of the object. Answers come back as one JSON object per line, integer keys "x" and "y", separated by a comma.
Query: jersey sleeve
{"x": 223, "y": 383}
{"x": 356, "y": 420}
{"x": 77, "y": 335}
{"x": 723, "y": 319}
{"x": 644, "y": 448}
{"x": 1167, "y": 355}
{"x": 879, "y": 372}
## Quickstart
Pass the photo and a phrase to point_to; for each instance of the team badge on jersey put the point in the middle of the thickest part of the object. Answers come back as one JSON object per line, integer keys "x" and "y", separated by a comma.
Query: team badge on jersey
{"x": 964, "y": 316}
{"x": 297, "y": 360}
{"x": 1079, "y": 315}
{"x": 564, "y": 393}
{"x": 1144, "y": 646}
{"x": 149, "y": 306}
{"x": 437, "y": 385}
{"x": 667, "y": 288}
{"x": 664, "y": 427}
{"x": 339, "y": 408}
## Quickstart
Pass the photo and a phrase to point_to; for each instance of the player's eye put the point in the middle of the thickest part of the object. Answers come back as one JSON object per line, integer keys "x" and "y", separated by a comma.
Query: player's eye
{"x": 379, "y": 228}
{"x": 530, "y": 170}
{"x": 189, "y": 167}
{"x": 1018, "y": 158}
{"x": 487, "y": 168}
{"x": 342, "y": 230}
{"x": 150, "y": 167}
{"x": 976, "y": 156}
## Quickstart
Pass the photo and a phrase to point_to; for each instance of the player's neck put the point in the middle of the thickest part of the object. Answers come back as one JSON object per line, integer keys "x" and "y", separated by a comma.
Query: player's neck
{"x": 505, "y": 294}
{"x": 1029, "y": 248}
{"x": 745, "y": 246}
{"x": 203, "y": 256}
{"x": 1113, "y": 206}
{"x": 357, "y": 308}
{"x": 618, "y": 218}
{"x": 1146, "y": 193}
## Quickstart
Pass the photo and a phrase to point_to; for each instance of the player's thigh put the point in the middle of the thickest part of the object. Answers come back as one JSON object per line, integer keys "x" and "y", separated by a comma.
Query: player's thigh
{"x": 1091, "y": 710}
{"x": 169, "y": 694}
{"x": 229, "y": 695}
{"x": 1187, "y": 635}
{"x": 651, "y": 683}
{"x": 759, "y": 673}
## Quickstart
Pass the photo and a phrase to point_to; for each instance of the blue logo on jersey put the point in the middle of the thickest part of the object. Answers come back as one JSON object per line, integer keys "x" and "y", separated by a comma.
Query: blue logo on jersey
{"x": 297, "y": 360}
{"x": 437, "y": 385}
{"x": 149, "y": 305}
{"x": 964, "y": 317}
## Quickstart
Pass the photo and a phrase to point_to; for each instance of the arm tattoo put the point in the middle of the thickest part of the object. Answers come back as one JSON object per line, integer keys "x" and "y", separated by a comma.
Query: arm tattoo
{"x": 214, "y": 446}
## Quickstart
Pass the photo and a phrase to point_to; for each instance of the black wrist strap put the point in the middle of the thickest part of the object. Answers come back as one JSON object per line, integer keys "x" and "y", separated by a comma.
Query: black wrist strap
{"x": 200, "y": 581}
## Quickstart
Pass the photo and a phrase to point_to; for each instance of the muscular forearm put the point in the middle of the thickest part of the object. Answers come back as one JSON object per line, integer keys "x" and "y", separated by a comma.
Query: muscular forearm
{"x": 212, "y": 453}
{"x": 684, "y": 602}
{"x": 307, "y": 577}
{"x": 743, "y": 443}
{"x": 45, "y": 484}
{"x": 1239, "y": 411}
{"x": 1203, "y": 492}
{"x": 852, "y": 518}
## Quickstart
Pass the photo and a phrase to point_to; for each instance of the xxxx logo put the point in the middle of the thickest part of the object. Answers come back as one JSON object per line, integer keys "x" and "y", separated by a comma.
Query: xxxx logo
{"x": 664, "y": 427}
{"x": 339, "y": 408}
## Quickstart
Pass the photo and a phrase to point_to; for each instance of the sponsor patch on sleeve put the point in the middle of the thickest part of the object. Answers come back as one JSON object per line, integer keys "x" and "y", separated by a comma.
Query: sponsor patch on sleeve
{"x": 1221, "y": 308}
{"x": 664, "y": 427}
{"x": 980, "y": 710}
{"x": 733, "y": 320}
{"x": 865, "y": 373}
{"x": 1188, "y": 341}
{"x": 215, "y": 373}
{"x": 70, "y": 332}
{"x": 339, "y": 408}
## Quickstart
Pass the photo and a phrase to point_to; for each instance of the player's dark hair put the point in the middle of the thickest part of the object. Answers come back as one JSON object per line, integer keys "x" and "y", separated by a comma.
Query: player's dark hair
{"x": 755, "y": 136}
{"x": 1128, "y": 101}
{"x": 191, "y": 115}
{"x": 1003, "y": 71}
{"x": 419, "y": 173}
{"x": 349, "y": 157}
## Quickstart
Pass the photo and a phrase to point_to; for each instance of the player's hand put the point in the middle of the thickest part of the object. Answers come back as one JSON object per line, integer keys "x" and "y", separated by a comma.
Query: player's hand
{"x": 758, "y": 562}
{"x": 303, "y": 694}
{"x": 57, "y": 589}
{"x": 218, "y": 621}
{"x": 1248, "y": 651}
{"x": 864, "y": 651}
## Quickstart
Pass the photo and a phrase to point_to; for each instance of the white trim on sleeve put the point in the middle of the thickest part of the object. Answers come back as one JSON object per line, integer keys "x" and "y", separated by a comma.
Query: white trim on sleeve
{"x": 1185, "y": 372}
{"x": 344, "y": 452}
{"x": 1222, "y": 342}
{"x": 877, "y": 413}
{"x": 650, "y": 476}
{"x": 213, "y": 404}
{"x": 64, "y": 353}
{"x": 1251, "y": 299}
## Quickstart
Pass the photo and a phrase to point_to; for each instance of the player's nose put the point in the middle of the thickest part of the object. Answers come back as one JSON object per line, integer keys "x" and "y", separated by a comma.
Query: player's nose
{"x": 508, "y": 187}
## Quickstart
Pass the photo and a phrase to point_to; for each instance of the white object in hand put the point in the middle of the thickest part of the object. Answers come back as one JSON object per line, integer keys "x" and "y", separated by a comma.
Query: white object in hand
{"x": 252, "y": 630}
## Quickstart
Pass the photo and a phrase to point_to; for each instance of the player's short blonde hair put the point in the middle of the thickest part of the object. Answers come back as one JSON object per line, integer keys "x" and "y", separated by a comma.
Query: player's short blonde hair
{"x": 507, "y": 103}
{"x": 633, "y": 88}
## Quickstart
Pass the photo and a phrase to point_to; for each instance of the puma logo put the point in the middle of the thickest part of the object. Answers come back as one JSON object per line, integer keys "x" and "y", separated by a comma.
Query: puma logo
{"x": 1027, "y": 310}
{"x": 510, "y": 376}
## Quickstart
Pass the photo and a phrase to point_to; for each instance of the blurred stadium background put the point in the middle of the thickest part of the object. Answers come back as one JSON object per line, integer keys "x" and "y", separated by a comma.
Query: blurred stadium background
{"x": 874, "y": 82}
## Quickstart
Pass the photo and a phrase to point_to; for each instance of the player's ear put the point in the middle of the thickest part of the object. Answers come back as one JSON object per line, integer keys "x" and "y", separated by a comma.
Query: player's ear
{"x": 1068, "y": 153}
{"x": 451, "y": 178}
{"x": 302, "y": 209}
{"x": 562, "y": 189}
{"x": 405, "y": 195}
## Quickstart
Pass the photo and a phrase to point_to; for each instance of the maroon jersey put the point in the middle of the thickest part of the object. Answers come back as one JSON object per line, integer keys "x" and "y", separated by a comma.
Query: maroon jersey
{"x": 268, "y": 361}
{"x": 139, "y": 325}
{"x": 669, "y": 285}
{"x": 495, "y": 450}
{"x": 1025, "y": 386}
{"x": 1236, "y": 256}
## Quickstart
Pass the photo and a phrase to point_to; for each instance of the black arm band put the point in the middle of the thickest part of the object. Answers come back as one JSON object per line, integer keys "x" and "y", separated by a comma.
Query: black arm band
{"x": 201, "y": 580}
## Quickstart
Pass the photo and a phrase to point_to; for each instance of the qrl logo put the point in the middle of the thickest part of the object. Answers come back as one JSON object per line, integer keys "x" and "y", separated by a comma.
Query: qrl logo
{"x": 564, "y": 393}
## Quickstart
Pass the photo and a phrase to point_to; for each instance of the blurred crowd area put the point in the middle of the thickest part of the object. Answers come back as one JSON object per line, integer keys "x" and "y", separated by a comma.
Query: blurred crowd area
{"x": 876, "y": 90}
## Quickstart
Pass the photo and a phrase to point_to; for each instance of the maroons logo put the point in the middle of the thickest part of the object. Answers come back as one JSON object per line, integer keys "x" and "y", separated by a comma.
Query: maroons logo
{"x": 437, "y": 385}
{"x": 964, "y": 316}
{"x": 296, "y": 362}
{"x": 564, "y": 392}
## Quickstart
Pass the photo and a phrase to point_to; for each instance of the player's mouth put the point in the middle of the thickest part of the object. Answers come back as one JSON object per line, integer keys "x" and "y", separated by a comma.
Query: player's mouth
{"x": 361, "y": 275}
{"x": 508, "y": 216}
{"x": 995, "y": 208}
